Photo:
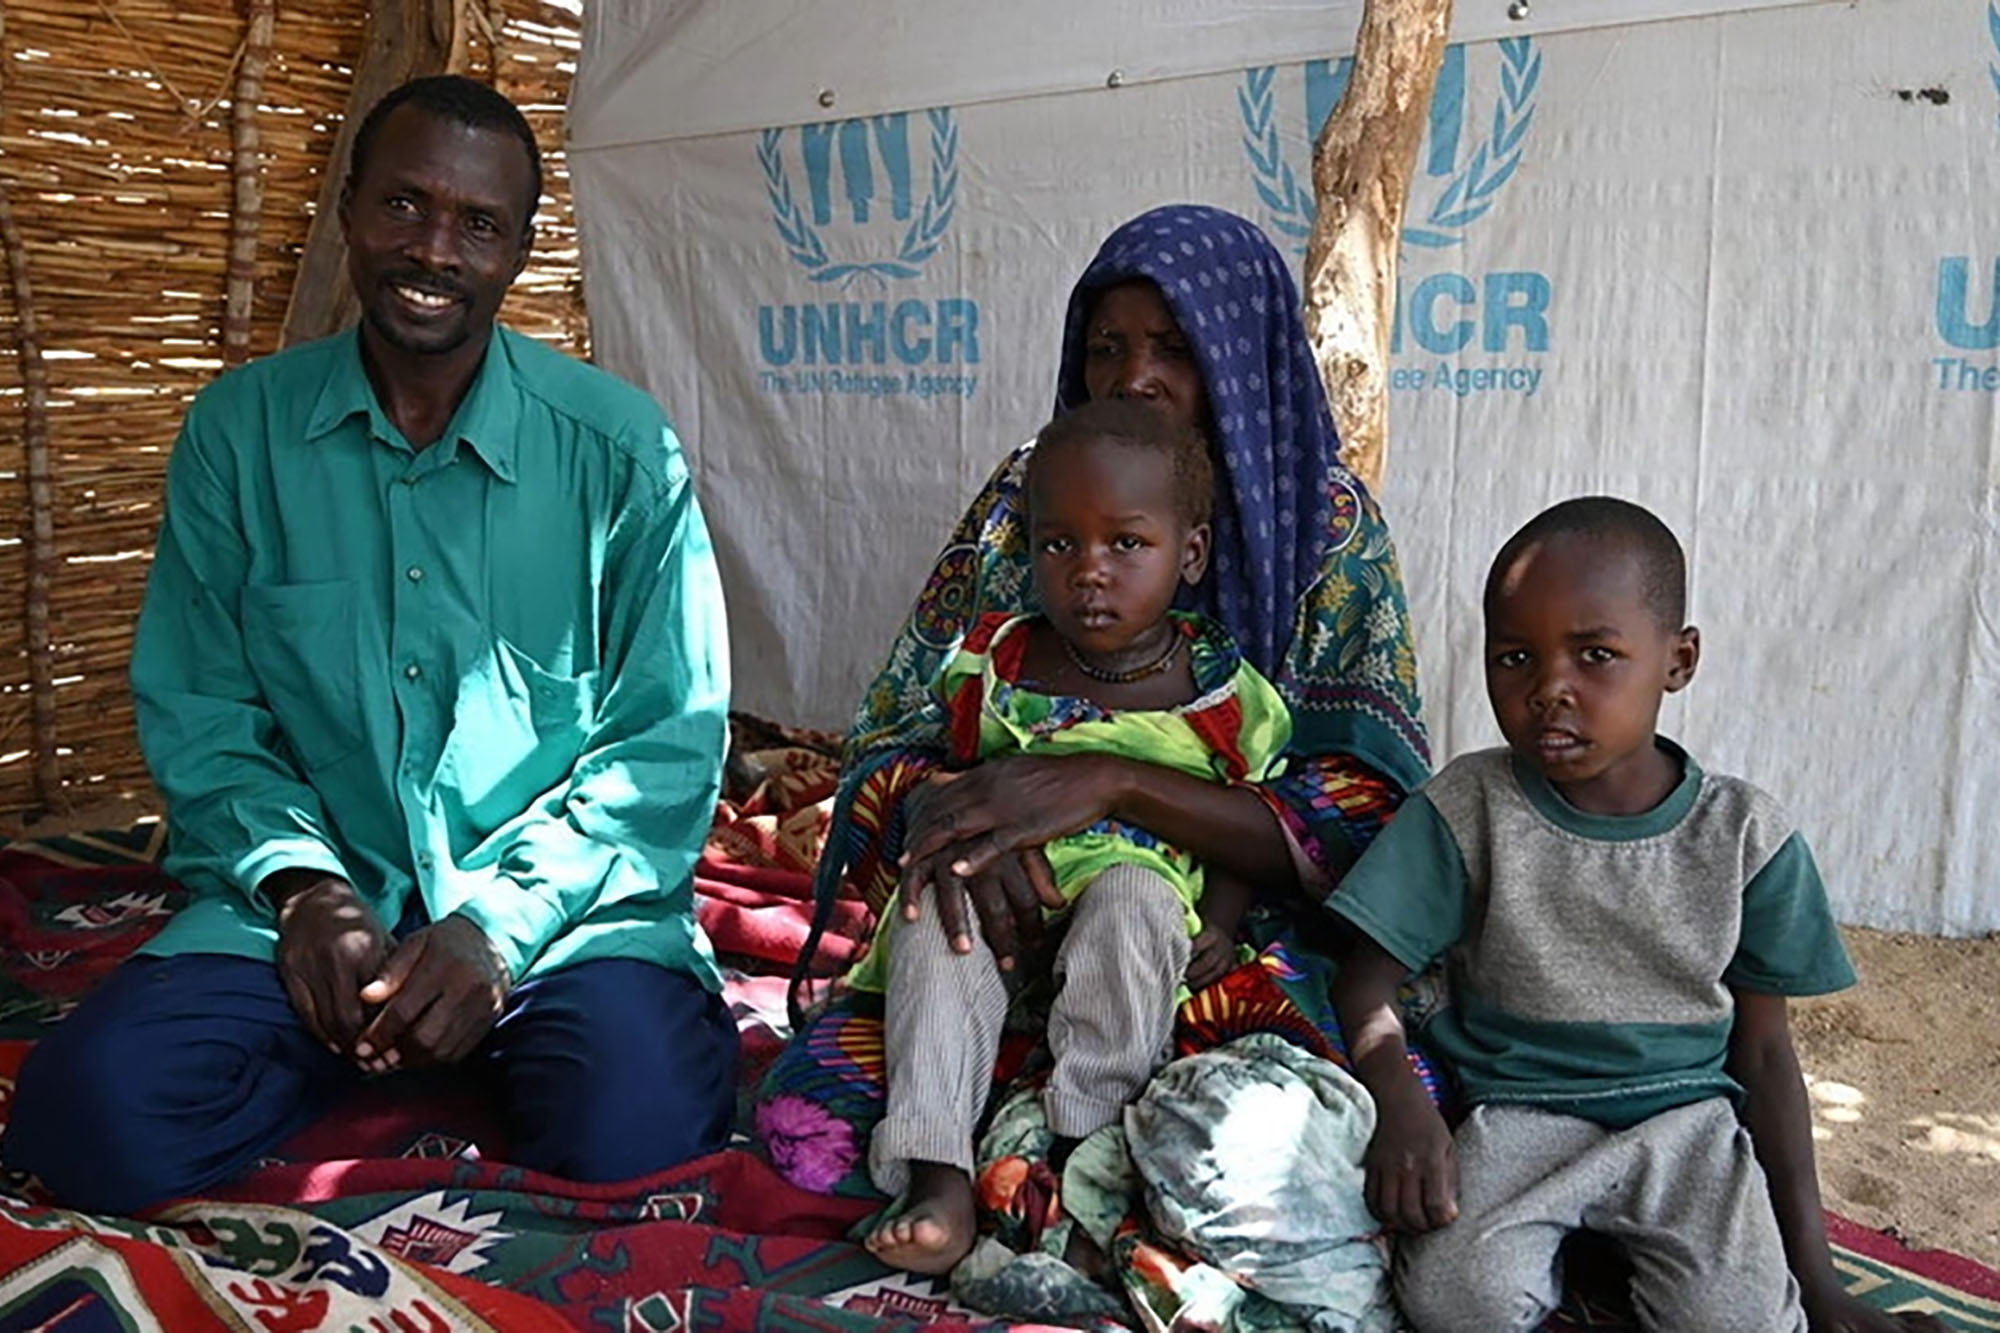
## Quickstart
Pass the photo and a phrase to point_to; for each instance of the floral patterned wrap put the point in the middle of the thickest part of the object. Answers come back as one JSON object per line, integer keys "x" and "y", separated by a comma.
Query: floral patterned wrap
{"x": 1304, "y": 577}
{"x": 824, "y": 1094}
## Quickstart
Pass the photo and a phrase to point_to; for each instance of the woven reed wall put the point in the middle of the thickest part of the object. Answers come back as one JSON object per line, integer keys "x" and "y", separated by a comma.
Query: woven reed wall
{"x": 116, "y": 160}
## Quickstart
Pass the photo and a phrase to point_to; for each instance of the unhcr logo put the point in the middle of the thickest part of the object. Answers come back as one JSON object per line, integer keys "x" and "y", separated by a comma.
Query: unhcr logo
{"x": 1469, "y": 156}
{"x": 1466, "y": 184}
{"x": 873, "y": 204}
{"x": 872, "y": 186}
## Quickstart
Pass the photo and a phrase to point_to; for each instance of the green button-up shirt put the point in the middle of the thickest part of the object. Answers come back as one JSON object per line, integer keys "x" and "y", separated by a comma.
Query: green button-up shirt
{"x": 492, "y": 673}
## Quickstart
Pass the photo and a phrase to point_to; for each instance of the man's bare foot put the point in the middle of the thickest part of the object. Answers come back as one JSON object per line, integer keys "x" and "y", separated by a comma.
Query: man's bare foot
{"x": 936, "y": 1225}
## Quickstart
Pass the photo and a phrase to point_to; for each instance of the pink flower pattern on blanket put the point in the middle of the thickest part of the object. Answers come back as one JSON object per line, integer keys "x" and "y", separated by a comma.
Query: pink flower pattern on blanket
{"x": 808, "y": 1146}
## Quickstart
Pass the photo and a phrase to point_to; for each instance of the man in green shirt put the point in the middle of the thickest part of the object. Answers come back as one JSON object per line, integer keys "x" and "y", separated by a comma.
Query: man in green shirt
{"x": 432, "y": 673}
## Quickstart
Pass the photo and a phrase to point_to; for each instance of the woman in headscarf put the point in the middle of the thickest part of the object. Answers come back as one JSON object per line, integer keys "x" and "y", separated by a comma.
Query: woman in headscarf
{"x": 1193, "y": 310}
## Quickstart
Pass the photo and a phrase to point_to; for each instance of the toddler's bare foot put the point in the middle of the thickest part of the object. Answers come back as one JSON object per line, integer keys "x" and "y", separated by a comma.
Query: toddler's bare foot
{"x": 936, "y": 1225}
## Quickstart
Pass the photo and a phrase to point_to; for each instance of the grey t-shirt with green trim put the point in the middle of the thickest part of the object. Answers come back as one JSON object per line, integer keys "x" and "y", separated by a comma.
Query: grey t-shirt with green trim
{"x": 1591, "y": 957}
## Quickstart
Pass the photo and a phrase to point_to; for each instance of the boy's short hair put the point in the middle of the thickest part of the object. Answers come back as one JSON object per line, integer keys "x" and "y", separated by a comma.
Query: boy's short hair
{"x": 1605, "y": 518}
{"x": 461, "y": 101}
{"x": 1132, "y": 422}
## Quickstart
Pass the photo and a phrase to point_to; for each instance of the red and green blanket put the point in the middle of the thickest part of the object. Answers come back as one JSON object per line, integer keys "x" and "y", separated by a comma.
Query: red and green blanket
{"x": 402, "y": 1216}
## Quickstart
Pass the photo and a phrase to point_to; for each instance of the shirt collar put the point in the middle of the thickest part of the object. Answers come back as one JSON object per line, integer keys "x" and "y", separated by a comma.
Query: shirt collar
{"x": 1662, "y": 818}
{"x": 486, "y": 420}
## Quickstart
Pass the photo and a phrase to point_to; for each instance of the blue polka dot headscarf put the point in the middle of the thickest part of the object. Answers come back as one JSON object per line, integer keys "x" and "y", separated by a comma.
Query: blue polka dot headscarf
{"x": 1235, "y": 301}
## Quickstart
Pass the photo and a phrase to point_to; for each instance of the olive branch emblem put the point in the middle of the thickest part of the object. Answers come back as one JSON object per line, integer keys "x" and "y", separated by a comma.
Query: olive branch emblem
{"x": 1471, "y": 190}
{"x": 920, "y": 239}
{"x": 1291, "y": 209}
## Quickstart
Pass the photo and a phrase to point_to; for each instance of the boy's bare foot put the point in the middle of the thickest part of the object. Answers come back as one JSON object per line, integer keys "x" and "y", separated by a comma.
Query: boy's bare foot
{"x": 936, "y": 1225}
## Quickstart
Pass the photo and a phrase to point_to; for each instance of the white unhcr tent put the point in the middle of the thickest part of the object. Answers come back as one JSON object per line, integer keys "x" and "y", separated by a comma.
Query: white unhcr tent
{"x": 1739, "y": 262}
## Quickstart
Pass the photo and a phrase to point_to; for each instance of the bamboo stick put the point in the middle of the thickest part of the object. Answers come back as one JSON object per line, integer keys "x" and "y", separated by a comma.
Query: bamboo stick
{"x": 249, "y": 211}
{"x": 41, "y": 515}
{"x": 41, "y": 544}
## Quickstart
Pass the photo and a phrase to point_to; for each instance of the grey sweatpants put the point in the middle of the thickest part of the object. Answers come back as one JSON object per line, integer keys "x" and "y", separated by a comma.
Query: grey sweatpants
{"x": 1681, "y": 1193}
{"x": 1117, "y": 970}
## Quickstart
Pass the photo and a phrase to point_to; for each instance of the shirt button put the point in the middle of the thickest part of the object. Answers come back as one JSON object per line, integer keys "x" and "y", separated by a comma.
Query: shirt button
{"x": 424, "y": 861}
{"x": 415, "y": 573}
{"x": 412, "y": 671}
{"x": 410, "y": 481}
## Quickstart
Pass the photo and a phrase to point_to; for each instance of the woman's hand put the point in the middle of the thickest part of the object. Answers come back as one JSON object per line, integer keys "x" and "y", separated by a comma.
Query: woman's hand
{"x": 1006, "y": 898}
{"x": 975, "y": 841}
{"x": 1211, "y": 958}
{"x": 1008, "y": 805}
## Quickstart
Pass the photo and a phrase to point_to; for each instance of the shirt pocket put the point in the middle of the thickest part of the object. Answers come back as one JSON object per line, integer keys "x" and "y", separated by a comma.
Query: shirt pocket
{"x": 517, "y": 732}
{"x": 557, "y": 706}
{"x": 302, "y": 646}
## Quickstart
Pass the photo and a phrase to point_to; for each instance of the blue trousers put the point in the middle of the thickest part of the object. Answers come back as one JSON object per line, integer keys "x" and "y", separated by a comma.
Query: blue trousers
{"x": 180, "y": 1072}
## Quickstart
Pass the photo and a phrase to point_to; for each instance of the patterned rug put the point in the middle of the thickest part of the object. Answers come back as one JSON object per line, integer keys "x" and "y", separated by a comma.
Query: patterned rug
{"x": 398, "y": 1216}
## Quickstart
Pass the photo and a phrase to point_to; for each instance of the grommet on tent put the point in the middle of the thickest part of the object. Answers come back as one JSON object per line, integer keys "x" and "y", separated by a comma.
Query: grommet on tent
{"x": 1115, "y": 79}
{"x": 826, "y": 98}
{"x": 1518, "y": 10}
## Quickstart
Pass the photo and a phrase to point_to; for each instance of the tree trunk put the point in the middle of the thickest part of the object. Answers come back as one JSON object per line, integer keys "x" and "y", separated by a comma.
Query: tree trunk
{"x": 1361, "y": 181}
{"x": 406, "y": 39}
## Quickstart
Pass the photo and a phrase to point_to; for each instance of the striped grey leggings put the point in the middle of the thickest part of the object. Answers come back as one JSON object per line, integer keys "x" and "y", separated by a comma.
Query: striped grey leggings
{"x": 1117, "y": 969}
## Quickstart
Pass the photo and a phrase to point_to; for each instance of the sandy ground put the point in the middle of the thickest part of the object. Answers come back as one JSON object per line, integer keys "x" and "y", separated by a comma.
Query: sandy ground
{"x": 1904, "y": 1074}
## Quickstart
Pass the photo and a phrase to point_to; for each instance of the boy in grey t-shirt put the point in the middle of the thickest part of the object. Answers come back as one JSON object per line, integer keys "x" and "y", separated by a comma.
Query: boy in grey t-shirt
{"x": 1621, "y": 931}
